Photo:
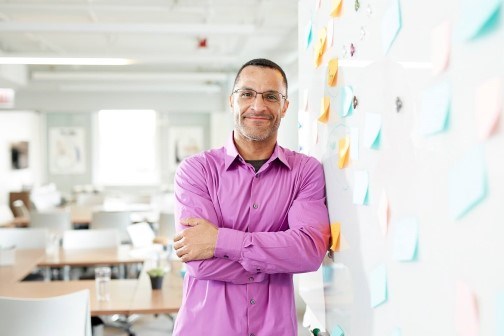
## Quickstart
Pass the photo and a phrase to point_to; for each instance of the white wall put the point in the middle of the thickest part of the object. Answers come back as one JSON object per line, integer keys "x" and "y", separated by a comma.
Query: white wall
{"x": 19, "y": 126}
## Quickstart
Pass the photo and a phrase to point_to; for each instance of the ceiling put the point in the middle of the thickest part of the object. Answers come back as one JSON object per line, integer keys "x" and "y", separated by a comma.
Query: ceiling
{"x": 170, "y": 46}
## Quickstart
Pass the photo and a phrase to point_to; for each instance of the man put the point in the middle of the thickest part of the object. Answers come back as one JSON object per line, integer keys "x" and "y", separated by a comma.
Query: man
{"x": 249, "y": 215}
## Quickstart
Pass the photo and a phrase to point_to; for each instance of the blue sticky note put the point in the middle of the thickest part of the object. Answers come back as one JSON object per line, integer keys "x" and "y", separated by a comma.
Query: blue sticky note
{"x": 378, "y": 285}
{"x": 391, "y": 25}
{"x": 361, "y": 186}
{"x": 396, "y": 332}
{"x": 372, "y": 130}
{"x": 337, "y": 331}
{"x": 435, "y": 109}
{"x": 346, "y": 100}
{"x": 406, "y": 239}
{"x": 467, "y": 182}
{"x": 309, "y": 34}
{"x": 477, "y": 18}
{"x": 500, "y": 314}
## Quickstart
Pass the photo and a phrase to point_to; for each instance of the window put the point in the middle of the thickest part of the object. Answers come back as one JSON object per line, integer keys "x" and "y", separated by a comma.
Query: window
{"x": 127, "y": 147}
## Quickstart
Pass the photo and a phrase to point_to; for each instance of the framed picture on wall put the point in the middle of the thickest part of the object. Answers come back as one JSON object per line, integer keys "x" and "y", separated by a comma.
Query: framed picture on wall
{"x": 183, "y": 142}
{"x": 67, "y": 151}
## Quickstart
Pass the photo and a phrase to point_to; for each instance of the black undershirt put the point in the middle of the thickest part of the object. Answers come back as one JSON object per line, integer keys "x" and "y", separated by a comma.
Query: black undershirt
{"x": 257, "y": 164}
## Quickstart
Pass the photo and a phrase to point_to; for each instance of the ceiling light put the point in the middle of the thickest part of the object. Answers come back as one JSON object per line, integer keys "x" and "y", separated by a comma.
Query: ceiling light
{"x": 65, "y": 61}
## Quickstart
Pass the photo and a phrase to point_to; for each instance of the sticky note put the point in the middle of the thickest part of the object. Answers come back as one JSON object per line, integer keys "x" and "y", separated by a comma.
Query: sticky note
{"x": 361, "y": 186}
{"x": 391, "y": 25}
{"x": 466, "y": 311}
{"x": 344, "y": 145}
{"x": 406, "y": 239}
{"x": 336, "y": 7}
{"x": 330, "y": 32}
{"x": 337, "y": 331}
{"x": 320, "y": 46}
{"x": 440, "y": 47}
{"x": 435, "y": 108}
{"x": 488, "y": 107}
{"x": 477, "y": 18}
{"x": 467, "y": 182}
{"x": 378, "y": 285}
{"x": 332, "y": 72}
{"x": 335, "y": 236}
{"x": 396, "y": 332}
{"x": 309, "y": 34}
{"x": 346, "y": 99}
{"x": 372, "y": 130}
{"x": 383, "y": 212}
{"x": 500, "y": 314}
{"x": 324, "y": 113}
{"x": 354, "y": 143}
{"x": 306, "y": 96}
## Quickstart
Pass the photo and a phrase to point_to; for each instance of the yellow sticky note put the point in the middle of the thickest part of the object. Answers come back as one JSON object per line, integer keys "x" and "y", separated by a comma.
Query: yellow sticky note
{"x": 344, "y": 145}
{"x": 320, "y": 46}
{"x": 335, "y": 236}
{"x": 336, "y": 7}
{"x": 332, "y": 70}
{"x": 324, "y": 114}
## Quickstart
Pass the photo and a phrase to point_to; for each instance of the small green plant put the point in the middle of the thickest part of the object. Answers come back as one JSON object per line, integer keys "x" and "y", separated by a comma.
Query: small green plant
{"x": 156, "y": 272}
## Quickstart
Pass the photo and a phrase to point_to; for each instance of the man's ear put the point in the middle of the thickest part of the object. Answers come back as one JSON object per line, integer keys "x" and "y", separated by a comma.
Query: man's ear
{"x": 284, "y": 109}
{"x": 231, "y": 102}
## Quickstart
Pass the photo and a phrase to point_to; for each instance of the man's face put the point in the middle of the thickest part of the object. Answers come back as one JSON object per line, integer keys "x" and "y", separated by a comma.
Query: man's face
{"x": 258, "y": 118}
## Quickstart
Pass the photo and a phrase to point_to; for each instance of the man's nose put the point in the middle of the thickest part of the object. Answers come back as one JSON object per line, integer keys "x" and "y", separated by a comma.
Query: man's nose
{"x": 258, "y": 103}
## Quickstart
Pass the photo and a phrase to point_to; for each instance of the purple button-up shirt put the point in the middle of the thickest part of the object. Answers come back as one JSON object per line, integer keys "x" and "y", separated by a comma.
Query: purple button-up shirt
{"x": 272, "y": 224}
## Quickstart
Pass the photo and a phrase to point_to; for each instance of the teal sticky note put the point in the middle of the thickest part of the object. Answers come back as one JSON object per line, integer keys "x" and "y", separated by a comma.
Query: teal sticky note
{"x": 467, "y": 182}
{"x": 361, "y": 186}
{"x": 500, "y": 314}
{"x": 309, "y": 34}
{"x": 396, "y": 332}
{"x": 406, "y": 239}
{"x": 391, "y": 25}
{"x": 378, "y": 285}
{"x": 346, "y": 100}
{"x": 477, "y": 18}
{"x": 337, "y": 331}
{"x": 435, "y": 109}
{"x": 372, "y": 130}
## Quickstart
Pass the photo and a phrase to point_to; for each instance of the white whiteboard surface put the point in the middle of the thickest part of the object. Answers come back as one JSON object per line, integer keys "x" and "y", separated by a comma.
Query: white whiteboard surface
{"x": 411, "y": 168}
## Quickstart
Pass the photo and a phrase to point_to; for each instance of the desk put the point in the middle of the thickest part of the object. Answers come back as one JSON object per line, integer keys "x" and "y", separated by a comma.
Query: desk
{"x": 90, "y": 257}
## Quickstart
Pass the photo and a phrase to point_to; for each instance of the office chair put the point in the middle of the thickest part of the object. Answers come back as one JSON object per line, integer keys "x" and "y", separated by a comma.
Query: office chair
{"x": 119, "y": 220}
{"x": 20, "y": 209}
{"x": 55, "y": 221}
{"x": 55, "y": 316}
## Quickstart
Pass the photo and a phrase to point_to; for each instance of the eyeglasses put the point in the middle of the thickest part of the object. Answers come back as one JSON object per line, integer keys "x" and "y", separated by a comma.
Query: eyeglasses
{"x": 248, "y": 95}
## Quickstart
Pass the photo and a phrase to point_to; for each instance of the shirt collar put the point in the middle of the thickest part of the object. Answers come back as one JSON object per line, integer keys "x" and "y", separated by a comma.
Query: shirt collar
{"x": 232, "y": 154}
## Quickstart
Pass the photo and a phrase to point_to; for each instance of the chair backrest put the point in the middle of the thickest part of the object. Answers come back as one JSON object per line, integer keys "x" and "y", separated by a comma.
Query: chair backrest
{"x": 24, "y": 238}
{"x": 141, "y": 235}
{"x": 20, "y": 209}
{"x": 55, "y": 221}
{"x": 167, "y": 225}
{"x": 118, "y": 220}
{"x": 86, "y": 239}
{"x": 55, "y": 316}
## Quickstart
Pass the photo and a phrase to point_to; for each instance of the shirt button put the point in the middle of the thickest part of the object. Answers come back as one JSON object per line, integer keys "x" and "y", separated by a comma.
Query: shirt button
{"x": 255, "y": 206}
{"x": 251, "y": 279}
{"x": 252, "y": 301}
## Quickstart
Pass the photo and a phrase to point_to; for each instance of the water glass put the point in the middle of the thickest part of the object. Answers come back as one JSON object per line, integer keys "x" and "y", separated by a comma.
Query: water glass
{"x": 102, "y": 279}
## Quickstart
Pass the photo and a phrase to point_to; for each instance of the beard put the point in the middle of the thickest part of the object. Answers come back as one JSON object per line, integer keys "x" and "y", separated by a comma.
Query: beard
{"x": 256, "y": 133}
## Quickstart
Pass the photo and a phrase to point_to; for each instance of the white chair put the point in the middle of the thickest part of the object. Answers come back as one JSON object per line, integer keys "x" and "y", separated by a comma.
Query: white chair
{"x": 86, "y": 239}
{"x": 56, "y": 221}
{"x": 141, "y": 235}
{"x": 119, "y": 220}
{"x": 24, "y": 238}
{"x": 55, "y": 316}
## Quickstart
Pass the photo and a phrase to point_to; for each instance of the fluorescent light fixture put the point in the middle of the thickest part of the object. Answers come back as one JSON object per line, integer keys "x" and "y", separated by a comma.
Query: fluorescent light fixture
{"x": 66, "y": 61}
{"x": 209, "y": 88}
{"x": 346, "y": 63}
{"x": 128, "y": 76}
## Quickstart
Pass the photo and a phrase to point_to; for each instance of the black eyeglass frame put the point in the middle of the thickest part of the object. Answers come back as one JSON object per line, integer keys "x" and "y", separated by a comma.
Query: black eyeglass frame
{"x": 284, "y": 97}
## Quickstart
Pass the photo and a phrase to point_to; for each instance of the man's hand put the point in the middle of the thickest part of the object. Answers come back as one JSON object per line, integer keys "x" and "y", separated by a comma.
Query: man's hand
{"x": 196, "y": 242}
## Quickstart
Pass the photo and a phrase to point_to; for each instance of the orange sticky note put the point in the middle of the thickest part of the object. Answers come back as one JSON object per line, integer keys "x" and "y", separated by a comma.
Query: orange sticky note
{"x": 335, "y": 236}
{"x": 336, "y": 7}
{"x": 320, "y": 46}
{"x": 332, "y": 70}
{"x": 344, "y": 145}
{"x": 324, "y": 114}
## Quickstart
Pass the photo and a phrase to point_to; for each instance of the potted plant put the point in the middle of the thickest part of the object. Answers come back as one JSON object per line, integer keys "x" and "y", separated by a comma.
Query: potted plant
{"x": 156, "y": 277}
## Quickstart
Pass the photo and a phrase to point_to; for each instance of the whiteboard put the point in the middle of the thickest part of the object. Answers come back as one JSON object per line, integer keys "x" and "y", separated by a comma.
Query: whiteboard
{"x": 412, "y": 169}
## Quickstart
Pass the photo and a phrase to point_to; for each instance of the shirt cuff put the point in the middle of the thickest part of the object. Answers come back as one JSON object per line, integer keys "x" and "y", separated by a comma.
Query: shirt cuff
{"x": 229, "y": 244}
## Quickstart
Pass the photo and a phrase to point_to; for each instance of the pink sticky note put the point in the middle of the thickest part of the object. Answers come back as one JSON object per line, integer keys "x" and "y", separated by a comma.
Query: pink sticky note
{"x": 383, "y": 212}
{"x": 440, "y": 47}
{"x": 488, "y": 107}
{"x": 466, "y": 311}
